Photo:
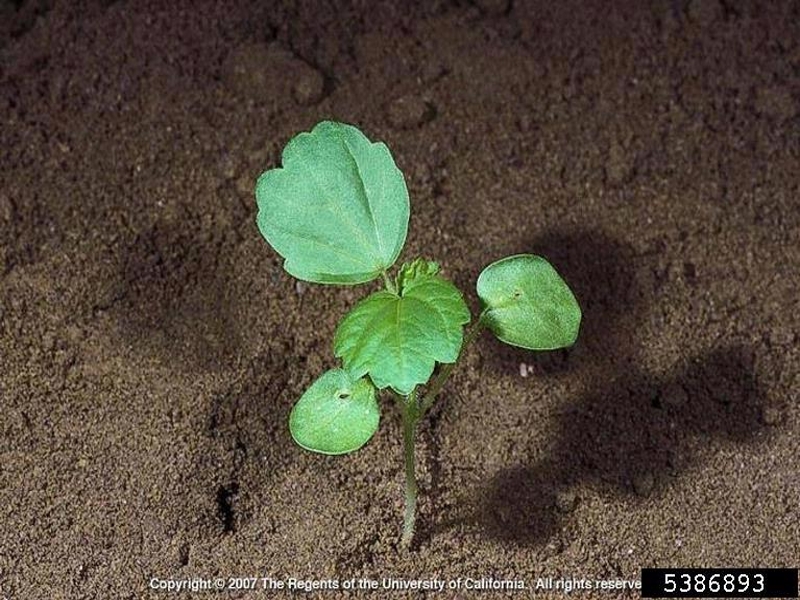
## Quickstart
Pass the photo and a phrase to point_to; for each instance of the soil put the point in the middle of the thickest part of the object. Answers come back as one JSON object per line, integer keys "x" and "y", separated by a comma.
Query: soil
{"x": 152, "y": 346}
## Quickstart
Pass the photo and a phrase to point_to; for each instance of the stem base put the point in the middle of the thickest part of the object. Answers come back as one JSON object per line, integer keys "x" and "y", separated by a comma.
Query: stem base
{"x": 410, "y": 416}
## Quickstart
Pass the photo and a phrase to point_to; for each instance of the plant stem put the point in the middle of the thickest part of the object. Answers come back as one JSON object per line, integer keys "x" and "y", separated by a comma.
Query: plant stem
{"x": 390, "y": 286}
{"x": 410, "y": 416}
{"x": 413, "y": 410}
{"x": 473, "y": 331}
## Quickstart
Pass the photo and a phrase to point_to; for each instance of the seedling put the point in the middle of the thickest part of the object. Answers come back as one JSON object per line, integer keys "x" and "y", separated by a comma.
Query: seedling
{"x": 337, "y": 212}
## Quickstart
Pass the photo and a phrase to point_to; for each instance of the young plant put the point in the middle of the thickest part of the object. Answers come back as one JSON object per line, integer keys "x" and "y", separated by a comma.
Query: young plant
{"x": 337, "y": 212}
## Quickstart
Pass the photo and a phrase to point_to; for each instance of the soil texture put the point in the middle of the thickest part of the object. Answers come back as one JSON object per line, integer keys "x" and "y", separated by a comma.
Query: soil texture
{"x": 151, "y": 345}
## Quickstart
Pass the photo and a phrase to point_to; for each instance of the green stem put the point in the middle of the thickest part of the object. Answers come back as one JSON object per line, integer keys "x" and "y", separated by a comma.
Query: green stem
{"x": 410, "y": 416}
{"x": 390, "y": 286}
{"x": 473, "y": 331}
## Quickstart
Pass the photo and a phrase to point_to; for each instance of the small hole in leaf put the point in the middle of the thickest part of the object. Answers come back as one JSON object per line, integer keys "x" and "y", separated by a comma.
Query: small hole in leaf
{"x": 517, "y": 293}
{"x": 343, "y": 395}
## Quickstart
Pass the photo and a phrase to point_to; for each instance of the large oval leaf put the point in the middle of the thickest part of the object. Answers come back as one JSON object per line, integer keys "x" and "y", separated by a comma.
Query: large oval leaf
{"x": 338, "y": 209}
{"x": 527, "y": 304}
{"x": 336, "y": 415}
{"x": 399, "y": 338}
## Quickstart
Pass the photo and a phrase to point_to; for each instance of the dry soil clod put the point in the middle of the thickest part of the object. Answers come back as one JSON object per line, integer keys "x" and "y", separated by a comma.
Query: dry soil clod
{"x": 309, "y": 88}
{"x": 432, "y": 71}
{"x": 705, "y": 12}
{"x": 494, "y": 7}
{"x": 770, "y": 415}
{"x": 409, "y": 112}
{"x": 781, "y": 335}
{"x": 566, "y": 501}
{"x": 264, "y": 73}
{"x": 620, "y": 164}
{"x": 674, "y": 396}
{"x": 245, "y": 185}
{"x": 643, "y": 484}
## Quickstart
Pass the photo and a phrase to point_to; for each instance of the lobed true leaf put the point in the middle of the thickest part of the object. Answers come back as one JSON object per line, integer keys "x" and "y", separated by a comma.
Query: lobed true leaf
{"x": 397, "y": 338}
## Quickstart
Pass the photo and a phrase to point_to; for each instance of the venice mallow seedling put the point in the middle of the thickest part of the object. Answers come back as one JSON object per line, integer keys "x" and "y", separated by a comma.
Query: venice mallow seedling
{"x": 337, "y": 212}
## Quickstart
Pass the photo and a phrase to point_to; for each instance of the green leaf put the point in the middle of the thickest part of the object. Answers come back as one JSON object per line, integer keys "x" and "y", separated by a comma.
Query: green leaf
{"x": 336, "y": 415}
{"x": 415, "y": 269}
{"x": 398, "y": 338}
{"x": 527, "y": 304}
{"x": 338, "y": 209}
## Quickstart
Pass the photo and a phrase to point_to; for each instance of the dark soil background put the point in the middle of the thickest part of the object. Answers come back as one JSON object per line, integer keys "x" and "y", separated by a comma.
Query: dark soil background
{"x": 151, "y": 346}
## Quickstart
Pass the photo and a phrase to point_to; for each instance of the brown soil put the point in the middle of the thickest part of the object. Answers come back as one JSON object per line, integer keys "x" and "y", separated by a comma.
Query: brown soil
{"x": 152, "y": 346}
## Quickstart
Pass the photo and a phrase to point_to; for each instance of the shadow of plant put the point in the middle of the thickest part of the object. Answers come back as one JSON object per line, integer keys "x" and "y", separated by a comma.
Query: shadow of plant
{"x": 633, "y": 437}
{"x": 634, "y": 429}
